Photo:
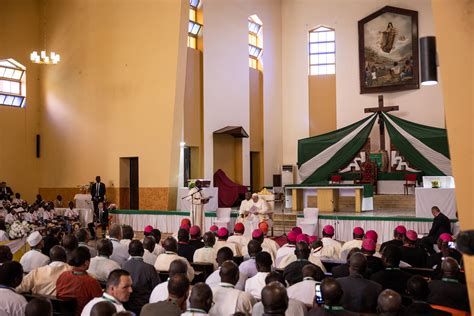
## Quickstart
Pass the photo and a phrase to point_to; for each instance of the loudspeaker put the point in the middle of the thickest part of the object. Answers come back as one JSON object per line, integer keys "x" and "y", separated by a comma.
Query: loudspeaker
{"x": 38, "y": 145}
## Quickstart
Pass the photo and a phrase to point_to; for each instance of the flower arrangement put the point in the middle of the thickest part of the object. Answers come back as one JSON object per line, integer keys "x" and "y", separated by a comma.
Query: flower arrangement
{"x": 19, "y": 230}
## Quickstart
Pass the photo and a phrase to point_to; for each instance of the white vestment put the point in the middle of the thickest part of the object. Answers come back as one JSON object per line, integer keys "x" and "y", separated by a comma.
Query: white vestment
{"x": 214, "y": 279}
{"x": 303, "y": 291}
{"x": 228, "y": 300}
{"x": 206, "y": 254}
{"x": 195, "y": 196}
{"x": 255, "y": 284}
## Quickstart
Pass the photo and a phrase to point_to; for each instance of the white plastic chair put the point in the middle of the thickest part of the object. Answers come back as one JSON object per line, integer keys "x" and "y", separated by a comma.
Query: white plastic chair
{"x": 309, "y": 222}
{"x": 223, "y": 217}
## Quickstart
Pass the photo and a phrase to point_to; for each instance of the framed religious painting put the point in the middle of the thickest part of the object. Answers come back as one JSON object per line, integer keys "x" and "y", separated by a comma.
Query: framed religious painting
{"x": 388, "y": 51}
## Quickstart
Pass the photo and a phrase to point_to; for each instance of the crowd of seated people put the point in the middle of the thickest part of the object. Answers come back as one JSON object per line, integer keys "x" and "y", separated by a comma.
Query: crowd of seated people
{"x": 221, "y": 272}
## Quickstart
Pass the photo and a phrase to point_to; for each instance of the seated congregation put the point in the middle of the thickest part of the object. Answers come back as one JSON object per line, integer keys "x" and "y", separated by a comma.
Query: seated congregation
{"x": 226, "y": 273}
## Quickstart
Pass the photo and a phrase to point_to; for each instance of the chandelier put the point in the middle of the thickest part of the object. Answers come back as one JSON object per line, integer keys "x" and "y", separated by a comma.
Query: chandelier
{"x": 43, "y": 58}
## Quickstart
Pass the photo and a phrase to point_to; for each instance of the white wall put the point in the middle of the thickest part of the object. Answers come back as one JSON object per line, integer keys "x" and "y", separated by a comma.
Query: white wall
{"x": 424, "y": 105}
{"x": 226, "y": 77}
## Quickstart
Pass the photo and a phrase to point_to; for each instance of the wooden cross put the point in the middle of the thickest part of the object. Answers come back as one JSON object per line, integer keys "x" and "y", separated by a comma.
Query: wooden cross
{"x": 379, "y": 111}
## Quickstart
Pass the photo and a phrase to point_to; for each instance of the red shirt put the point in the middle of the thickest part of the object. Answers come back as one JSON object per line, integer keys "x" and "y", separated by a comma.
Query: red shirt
{"x": 79, "y": 285}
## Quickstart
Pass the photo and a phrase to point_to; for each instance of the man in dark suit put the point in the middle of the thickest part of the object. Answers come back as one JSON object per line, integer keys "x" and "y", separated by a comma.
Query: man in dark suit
{"x": 97, "y": 192}
{"x": 441, "y": 225}
{"x": 411, "y": 253}
{"x": 417, "y": 289}
{"x": 398, "y": 234}
{"x": 392, "y": 277}
{"x": 359, "y": 294}
{"x": 332, "y": 293}
{"x": 342, "y": 270}
{"x": 5, "y": 192}
{"x": 293, "y": 272}
{"x": 448, "y": 291}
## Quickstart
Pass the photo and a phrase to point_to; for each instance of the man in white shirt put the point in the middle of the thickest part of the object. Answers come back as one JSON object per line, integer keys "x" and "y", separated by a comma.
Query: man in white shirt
{"x": 101, "y": 265}
{"x": 42, "y": 280}
{"x": 117, "y": 292}
{"x": 244, "y": 211}
{"x": 258, "y": 235}
{"x": 249, "y": 267}
{"x": 158, "y": 248}
{"x": 238, "y": 237}
{"x": 207, "y": 253}
{"x": 277, "y": 302}
{"x": 286, "y": 249}
{"x": 255, "y": 284}
{"x": 160, "y": 292}
{"x": 127, "y": 235}
{"x": 149, "y": 245}
{"x": 305, "y": 290}
{"x": 358, "y": 235}
{"x": 71, "y": 213}
{"x": 34, "y": 258}
{"x": 223, "y": 255}
{"x": 330, "y": 244}
{"x": 227, "y": 299}
{"x": 120, "y": 252}
{"x": 223, "y": 235}
{"x": 11, "y": 217}
{"x": 171, "y": 253}
{"x": 11, "y": 303}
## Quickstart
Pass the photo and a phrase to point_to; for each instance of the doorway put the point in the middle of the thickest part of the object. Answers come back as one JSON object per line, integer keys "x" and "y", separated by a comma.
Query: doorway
{"x": 129, "y": 183}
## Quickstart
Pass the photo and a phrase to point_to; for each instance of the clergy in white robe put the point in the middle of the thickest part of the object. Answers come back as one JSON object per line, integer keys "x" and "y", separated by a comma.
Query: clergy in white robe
{"x": 227, "y": 299}
{"x": 286, "y": 249}
{"x": 238, "y": 237}
{"x": 164, "y": 260}
{"x": 259, "y": 208}
{"x": 197, "y": 198}
{"x": 207, "y": 253}
{"x": 329, "y": 242}
{"x": 34, "y": 258}
{"x": 223, "y": 235}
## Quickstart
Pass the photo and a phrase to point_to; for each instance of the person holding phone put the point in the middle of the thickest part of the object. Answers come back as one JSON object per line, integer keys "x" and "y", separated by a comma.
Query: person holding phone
{"x": 327, "y": 299}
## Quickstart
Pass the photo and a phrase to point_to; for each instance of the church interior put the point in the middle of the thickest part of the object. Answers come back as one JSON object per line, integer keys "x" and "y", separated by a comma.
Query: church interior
{"x": 283, "y": 98}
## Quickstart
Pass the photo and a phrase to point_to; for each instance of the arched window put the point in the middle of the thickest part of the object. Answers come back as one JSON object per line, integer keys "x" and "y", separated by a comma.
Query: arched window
{"x": 12, "y": 83}
{"x": 255, "y": 41}
{"x": 193, "y": 27}
{"x": 322, "y": 51}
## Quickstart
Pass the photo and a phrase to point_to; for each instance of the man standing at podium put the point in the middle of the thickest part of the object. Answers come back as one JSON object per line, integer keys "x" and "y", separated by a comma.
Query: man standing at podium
{"x": 198, "y": 200}
{"x": 97, "y": 193}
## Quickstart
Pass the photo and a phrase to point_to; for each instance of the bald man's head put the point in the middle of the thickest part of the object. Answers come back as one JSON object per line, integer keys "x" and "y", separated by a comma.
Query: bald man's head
{"x": 254, "y": 247}
{"x": 201, "y": 297}
{"x": 170, "y": 244}
{"x": 229, "y": 272}
{"x": 331, "y": 291}
{"x": 312, "y": 271}
{"x": 178, "y": 266}
{"x": 39, "y": 306}
{"x": 389, "y": 303}
{"x": 302, "y": 250}
{"x": 450, "y": 267}
{"x": 357, "y": 263}
{"x": 274, "y": 299}
{"x": 103, "y": 309}
{"x": 58, "y": 253}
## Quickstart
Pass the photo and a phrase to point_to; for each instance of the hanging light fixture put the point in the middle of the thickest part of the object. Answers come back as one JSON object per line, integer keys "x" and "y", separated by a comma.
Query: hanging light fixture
{"x": 429, "y": 65}
{"x": 43, "y": 58}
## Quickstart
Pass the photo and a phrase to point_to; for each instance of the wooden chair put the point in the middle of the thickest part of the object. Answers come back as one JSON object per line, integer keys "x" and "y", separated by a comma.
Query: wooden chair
{"x": 368, "y": 174}
{"x": 410, "y": 181}
{"x": 61, "y": 306}
{"x": 205, "y": 267}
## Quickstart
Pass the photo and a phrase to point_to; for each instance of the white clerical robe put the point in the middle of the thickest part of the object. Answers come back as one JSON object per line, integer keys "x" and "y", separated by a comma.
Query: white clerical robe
{"x": 239, "y": 240}
{"x": 331, "y": 243}
{"x": 100, "y": 268}
{"x": 223, "y": 243}
{"x": 159, "y": 293}
{"x": 164, "y": 260}
{"x": 42, "y": 280}
{"x": 292, "y": 258}
{"x": 228, "y": 300}
{"x": 271, "y": 245}
{"x": 303, "y": 291}
{"x": 33, "y": 259}
{"x": 348, "y": 245}
{"x": 285, "y": 250}
{"x": 255, "y": 284}
{"x": 195, "y": 195}
{"x": 214, "y": 279}
{"x": 206, "y": 254}
{"x": 260, "y": 208}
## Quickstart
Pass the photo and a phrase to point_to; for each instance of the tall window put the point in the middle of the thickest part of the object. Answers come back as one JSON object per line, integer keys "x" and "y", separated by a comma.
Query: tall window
{"x": 322, "y": 51}
{"x": 12, "y": 83}
{"x": 255, "y": 41}
{"x": 193, "y": 27}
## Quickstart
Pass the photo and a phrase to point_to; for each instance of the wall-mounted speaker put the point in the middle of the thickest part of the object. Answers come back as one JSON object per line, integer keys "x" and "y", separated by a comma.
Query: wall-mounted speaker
{"x": 38, "y": 145}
